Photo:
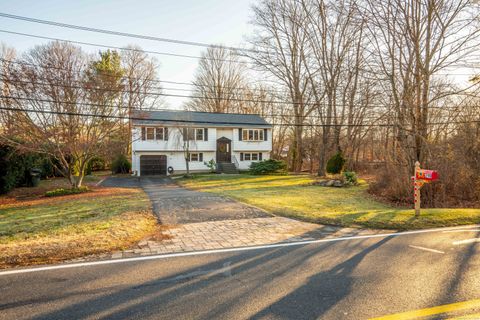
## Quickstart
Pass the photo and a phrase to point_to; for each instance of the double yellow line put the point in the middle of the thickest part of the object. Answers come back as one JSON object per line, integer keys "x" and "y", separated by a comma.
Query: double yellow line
{"x": 415, "y": 314}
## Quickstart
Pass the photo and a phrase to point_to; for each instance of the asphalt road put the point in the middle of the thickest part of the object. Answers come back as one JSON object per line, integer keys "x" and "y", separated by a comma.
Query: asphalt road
{"x": 352, "y": 279}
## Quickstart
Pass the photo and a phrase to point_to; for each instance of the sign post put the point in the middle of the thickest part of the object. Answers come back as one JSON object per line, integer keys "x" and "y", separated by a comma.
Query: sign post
{"x": 416, "y": 190}
{"x": 420, "y": 177}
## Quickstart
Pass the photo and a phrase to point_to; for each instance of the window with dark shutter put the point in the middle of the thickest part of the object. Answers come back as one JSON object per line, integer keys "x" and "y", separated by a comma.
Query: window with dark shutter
{"x": 265, "y": 134}
{"x": 260, "y": 156}
{"x": 241, "y": 156}
{"x": 240, "y": 134}
{"x": 143, "y": 133}
{"x": 165, "y": 133}
{"x": 200, "y": 156}
{"x": 205, "y": 134}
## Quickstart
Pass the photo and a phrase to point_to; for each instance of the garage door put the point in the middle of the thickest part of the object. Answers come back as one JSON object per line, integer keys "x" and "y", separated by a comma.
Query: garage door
{"x": 153, "y": 165}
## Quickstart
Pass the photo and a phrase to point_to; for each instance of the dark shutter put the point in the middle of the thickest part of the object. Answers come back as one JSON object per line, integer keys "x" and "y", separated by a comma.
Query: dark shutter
{"x": 165, "y": 134}
{"x": 200, "y": 157}
{"x": 265, "y": 134}
{"x": 240, "y": 134}
{"x": 143, "y": 133}
{"x": 260, "y": 155}
{"x": 185, "y": 134}
{"x": 241, "y": 156}
{"x": 205, "y": 134}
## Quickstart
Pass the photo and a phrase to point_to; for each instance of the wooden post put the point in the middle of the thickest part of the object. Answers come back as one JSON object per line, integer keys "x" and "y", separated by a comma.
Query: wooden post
{"x": 416, "y": 190}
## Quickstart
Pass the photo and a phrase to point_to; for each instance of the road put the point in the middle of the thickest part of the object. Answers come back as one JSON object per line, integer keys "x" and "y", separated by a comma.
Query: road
{"x": 357, "y": 278}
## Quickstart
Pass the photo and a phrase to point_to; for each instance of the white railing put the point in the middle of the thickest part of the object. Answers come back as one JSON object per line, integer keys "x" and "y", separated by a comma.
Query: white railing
{"x": 235, "y": 162}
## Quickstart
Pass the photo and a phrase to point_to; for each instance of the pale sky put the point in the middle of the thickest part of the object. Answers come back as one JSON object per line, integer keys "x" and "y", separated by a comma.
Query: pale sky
{"x": 208, "y": 21}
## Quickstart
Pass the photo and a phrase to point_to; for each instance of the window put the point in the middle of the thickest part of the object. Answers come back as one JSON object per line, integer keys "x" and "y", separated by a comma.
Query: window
{"x": 252, "y": 135}
{"x": 150, "y": 133}
{"x": 154, "y": 133}
{"x": 159, "y": 134}
{"x": 198, "y": 134}
{"x": 196, "y": 157}
{"x": 251, "y": 156}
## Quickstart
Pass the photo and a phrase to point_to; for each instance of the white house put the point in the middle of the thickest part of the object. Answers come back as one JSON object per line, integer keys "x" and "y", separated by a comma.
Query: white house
{"x": 162, "y": 139}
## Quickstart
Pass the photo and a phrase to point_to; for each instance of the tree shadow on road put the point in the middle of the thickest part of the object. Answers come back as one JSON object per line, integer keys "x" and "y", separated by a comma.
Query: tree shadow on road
{"x": 250, "y": 274}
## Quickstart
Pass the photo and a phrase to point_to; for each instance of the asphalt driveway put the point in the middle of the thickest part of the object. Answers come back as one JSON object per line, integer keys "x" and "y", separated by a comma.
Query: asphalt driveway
{"x": 176, "y": 205}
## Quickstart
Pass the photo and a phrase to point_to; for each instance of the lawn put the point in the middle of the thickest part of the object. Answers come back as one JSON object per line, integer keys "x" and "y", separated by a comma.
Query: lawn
{"x": 296, "y": 197}
{"x": 39, "y": 230}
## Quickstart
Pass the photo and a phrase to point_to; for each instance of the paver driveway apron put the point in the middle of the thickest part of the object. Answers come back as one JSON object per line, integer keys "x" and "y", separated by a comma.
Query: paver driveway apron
{"x": 203, "y": 221}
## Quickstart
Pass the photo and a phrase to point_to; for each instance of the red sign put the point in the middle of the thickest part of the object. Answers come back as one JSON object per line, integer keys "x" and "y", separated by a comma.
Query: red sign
{"x": 429, "y": 175}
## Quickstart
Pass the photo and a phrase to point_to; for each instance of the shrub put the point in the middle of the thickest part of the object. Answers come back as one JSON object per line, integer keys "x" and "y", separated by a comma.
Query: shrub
{"x": 63, "y": 192}
{"x": 211, "y": 165}
{"x": 121, "y": 164}
{"x": 335, "y": 164}
{"x": 350, "y": 178}
{"x": 268, "y": 166}
{"x": 95, "y": 164}
{"x": 15, "y": 168}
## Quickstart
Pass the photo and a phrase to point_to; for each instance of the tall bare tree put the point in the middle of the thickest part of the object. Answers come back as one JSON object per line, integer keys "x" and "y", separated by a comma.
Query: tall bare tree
{"x": 281, "y": 47}
{"x": 220, "y": 81}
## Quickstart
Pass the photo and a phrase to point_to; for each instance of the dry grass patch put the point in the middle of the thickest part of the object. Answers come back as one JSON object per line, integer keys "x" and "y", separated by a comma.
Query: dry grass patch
{"x": 296, "y": 197}
{"x": 50, "y": 230}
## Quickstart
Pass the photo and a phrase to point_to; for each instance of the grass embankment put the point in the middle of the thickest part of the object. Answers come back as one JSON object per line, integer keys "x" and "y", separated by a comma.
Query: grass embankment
{"x": 37, "y": 229}
{"x": 296, "y": 197}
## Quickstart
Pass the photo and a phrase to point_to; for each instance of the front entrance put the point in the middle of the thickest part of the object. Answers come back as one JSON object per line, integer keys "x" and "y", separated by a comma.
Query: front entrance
{"x": 151, "y": 165}
{"x": 224, "y": 150}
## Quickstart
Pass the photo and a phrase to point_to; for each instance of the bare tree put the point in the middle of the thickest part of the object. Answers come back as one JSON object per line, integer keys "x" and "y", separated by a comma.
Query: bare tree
{"x": 140, "y": 81}
{"x": 219, "y": 81}
{"x": 281, "y": 47}
{"x": 54, "y": 114}
{"x": 413, "y": 41}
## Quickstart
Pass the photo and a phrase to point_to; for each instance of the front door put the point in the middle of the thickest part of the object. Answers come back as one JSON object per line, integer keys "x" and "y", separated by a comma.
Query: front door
{"x": 224, "y": 152}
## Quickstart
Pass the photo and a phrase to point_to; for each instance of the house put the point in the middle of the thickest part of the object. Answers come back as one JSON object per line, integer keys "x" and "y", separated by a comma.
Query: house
{"x": 161, "y": 141}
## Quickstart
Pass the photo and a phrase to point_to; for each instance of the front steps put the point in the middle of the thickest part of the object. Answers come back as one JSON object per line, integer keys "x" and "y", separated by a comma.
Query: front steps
{"x": 226, "y": 167}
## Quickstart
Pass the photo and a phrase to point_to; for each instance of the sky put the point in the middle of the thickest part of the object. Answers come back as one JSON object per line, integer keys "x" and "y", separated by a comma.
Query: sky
{"x": 209, "y": 21}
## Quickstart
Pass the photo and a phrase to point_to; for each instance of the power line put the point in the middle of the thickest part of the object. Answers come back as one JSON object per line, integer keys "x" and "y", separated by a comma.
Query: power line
{"x": 208, "y": 122}
{"x": 124, "y": 34}
{"x": 120, "y": 48}
{"x": 150, "y": 80}
{"x": 163, "y": 109}
{"x": 372, "y": 106}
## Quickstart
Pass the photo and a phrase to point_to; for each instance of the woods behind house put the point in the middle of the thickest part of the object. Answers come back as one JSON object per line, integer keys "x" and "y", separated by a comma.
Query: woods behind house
{"x": 383, "y": 82}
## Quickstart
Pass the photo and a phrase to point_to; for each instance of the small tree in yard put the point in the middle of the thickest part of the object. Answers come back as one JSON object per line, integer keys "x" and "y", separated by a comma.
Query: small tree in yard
{"x": 58, "y": 109}
{"x": 336, "y": 163}
{"x": 186, "y": 139}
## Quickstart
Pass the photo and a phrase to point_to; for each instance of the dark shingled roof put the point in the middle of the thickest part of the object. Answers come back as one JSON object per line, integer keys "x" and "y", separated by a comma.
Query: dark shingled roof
{"x": 185, "y": 118}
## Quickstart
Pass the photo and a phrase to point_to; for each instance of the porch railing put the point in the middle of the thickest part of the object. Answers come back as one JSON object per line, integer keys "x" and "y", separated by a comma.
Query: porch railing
{"x": 235, "y": 161}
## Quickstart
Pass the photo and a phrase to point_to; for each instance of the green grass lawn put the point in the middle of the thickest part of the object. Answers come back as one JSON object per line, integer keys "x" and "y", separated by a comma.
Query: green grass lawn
{"x": 294, "y": 196}
{"x": 44, "y": 230}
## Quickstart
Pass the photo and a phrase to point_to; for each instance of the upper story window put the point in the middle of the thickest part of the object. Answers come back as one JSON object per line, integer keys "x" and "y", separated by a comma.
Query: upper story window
{"x": 253, "y": 135}
{"x": 197, "y": 134}
{"x": 154, "y": 133}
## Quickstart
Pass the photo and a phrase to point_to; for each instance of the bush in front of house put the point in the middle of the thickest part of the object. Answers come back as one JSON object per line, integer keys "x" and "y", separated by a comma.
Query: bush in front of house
{"x": 268, "y": 166}
{"x": 350, "y": 178}
{"x": 121, "y": 164}
{"x": 336, "y": 163}
{"x": 63, "y": 192}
